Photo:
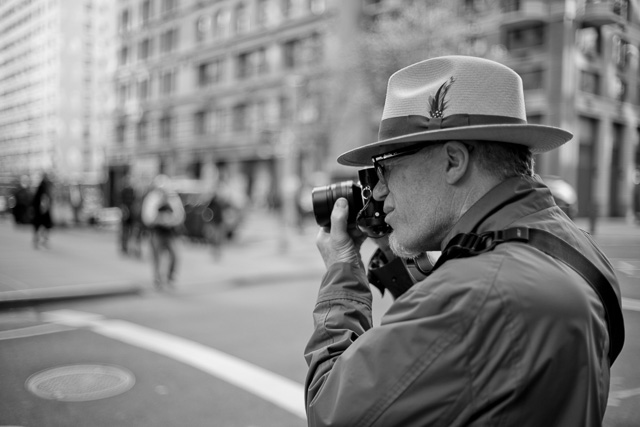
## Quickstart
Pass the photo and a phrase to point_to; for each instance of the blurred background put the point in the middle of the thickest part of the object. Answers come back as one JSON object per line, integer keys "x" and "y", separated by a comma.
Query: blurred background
{"x": 258, "y": 97}
{"x": 244, "y": 106}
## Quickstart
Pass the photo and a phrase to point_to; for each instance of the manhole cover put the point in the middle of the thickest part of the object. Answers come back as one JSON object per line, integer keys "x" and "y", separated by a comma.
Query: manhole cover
{"x": 79, "y": 383}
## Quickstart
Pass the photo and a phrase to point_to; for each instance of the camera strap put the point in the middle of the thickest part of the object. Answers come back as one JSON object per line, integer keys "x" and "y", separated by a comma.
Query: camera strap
{"x": 471, "y": 244}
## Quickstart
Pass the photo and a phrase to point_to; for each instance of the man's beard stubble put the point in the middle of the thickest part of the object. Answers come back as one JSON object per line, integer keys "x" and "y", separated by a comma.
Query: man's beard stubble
{"x": 400, "y": 250}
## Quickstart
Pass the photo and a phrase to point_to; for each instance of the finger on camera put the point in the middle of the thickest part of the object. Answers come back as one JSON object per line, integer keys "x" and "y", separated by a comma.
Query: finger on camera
{"x": 340, "y": 214}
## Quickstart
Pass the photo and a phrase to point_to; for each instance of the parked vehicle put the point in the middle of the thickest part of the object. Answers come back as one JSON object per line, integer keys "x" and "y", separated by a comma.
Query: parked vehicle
{"x": 195, "y": 199}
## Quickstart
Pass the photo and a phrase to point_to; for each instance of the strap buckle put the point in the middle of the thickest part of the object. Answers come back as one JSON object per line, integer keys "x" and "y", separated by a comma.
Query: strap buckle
{"x": 471, "y": 244}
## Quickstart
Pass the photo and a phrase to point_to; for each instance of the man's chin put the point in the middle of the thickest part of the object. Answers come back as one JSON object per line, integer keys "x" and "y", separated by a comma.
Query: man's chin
{"x": 400, "y": 250}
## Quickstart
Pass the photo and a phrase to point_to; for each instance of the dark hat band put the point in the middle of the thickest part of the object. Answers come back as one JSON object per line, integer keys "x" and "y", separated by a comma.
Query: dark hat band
{"x": 405, "y": 125}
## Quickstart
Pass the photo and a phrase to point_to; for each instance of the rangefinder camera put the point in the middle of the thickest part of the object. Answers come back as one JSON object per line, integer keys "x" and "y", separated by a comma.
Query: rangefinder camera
{"x": 364, "y": 211}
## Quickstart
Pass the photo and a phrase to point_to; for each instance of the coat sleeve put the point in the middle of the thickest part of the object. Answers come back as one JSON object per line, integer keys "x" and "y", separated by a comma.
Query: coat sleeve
{"x": 411, "y": 371}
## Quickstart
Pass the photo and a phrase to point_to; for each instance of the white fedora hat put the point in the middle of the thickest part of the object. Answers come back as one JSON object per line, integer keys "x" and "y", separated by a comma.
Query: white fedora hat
{"x": 455, "y": 98}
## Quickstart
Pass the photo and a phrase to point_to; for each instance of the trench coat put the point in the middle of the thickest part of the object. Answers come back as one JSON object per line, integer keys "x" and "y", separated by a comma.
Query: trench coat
{"x": 511, "y": 337}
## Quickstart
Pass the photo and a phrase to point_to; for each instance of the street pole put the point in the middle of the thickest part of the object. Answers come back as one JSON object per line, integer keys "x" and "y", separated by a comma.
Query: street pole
{"x": 288, "y": 160}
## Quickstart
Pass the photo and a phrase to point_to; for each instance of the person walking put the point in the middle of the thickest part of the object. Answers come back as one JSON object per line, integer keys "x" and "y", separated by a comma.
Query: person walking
{"x": 163, "y": 214}
{"x": 42, "y": 203}
{"x": 22, "y": 196}
{"x": 127, "y": 208}
{"x": 503, "y": 330}
{"x": 214, "y": 224}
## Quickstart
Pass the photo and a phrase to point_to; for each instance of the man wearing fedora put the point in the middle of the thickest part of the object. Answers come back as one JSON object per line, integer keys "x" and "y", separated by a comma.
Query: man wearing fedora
{"x": 518, "y": 322}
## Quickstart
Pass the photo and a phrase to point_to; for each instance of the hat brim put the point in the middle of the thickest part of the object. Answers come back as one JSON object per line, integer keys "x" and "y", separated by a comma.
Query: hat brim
{"x": 538, "y": 138}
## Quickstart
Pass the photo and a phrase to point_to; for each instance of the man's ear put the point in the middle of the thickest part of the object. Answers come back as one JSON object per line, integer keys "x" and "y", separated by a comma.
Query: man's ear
{"x": 457, "y": 157}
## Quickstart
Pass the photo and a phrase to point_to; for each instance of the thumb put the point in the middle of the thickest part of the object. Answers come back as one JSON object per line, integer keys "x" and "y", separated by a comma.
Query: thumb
{"x": 339, "y": 218}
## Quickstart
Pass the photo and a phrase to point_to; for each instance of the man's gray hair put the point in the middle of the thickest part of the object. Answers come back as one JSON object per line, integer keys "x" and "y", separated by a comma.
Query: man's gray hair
{"x": 504, "y": 160}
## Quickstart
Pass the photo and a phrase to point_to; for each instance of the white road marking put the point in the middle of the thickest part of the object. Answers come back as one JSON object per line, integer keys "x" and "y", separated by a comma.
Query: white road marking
{"x": 32, "y": 331}
{"x": 272, "y": 387}
{"x": 631, "y": 304}
{"x": 626, "y": 268}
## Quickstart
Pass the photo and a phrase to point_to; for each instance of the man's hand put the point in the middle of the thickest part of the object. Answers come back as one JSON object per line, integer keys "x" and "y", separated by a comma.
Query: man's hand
{"x": 338, "y": 244}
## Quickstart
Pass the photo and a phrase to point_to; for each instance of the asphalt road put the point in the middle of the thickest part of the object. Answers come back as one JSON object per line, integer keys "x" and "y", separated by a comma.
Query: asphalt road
{"x": 222, "y": 351}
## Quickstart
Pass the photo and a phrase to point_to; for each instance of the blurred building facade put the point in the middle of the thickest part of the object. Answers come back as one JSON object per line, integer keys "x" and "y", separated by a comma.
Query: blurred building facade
{"x": 244, "y": 91}
{"x": 580, "y": 67}
{"x": 579, "y": 63}
{"x": 55, "y": 69}
{"x": 229, "y": 92}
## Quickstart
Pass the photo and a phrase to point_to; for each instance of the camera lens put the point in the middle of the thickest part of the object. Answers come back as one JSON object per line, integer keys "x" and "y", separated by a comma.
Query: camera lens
{"x": 323, "y": 199}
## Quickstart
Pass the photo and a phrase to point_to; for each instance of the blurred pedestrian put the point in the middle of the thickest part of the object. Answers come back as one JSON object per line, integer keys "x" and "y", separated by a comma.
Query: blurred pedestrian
{"x": 163, "y": 215}
{"x": 21, "y": 206}
{"x": 42, "y": 204}
{"x": 214, "y": 228}
{"x": 75, "y": 198}
{"x": 127, "y": 207}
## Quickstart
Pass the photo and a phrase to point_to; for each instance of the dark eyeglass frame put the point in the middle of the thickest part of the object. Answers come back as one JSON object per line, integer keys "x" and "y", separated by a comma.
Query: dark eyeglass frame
{"x": 380, "y": 170}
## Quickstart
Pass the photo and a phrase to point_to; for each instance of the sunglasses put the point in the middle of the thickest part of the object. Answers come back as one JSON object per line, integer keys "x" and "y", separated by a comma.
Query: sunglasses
{"x": 380, "y": 169}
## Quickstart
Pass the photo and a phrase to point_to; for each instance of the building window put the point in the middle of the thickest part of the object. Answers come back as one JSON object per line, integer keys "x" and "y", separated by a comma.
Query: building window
{"x": 203, "y": 24}
{"x": 146, "y": 11}
{"x": 144, "y": 49}
{"x": 143, "y": 89}
{"x": 286, "y": 8}
{"x": 210, "y": 73}
{"x": 200, "y": 122}
{"x": 142, "y": 128}
{"x": 242, "y": 21}
{"x": 314, "y": 50}
{"x": 166, "y": 126}
{"x": 510, "y": 5}
{"x": 124, "y": 55}
{"x": 260, "y": 61}
{"x": 220, "y": 23}
{"x": 291, "y": 54}
{"x": 588, "y": 40}
{"x": 243, "y": 70}
{"x": 169, "y": 40}
{"x": 285, "y": 109}
{"x": 121, "y": 129}
{"x": 168, "y": 82}
{"x": 522, "y": 38}
{"x": 125, "y": 20}
{"x": 619, "y": 52}
{"x": 317, "y": 7}
{"x": 262, "y": 13}
{"x": 123, "y": 94}
{"x": 621, "y": 8}
{"x": 590, "y": 82}
{"x": 532, "y": 80}
{"x": 251, "y": 64}
{"x": 218, "y": 120}
{"x": 169, "y": 6}
{"x": 240, "y": 117}
{"x": 260, "y": 114}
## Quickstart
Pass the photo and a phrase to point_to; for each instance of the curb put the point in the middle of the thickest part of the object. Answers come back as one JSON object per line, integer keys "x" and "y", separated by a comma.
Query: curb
{"x": 10, "y": 299}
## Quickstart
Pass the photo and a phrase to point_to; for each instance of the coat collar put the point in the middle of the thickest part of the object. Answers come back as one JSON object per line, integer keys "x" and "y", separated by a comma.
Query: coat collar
{"x": 504, "y": 205}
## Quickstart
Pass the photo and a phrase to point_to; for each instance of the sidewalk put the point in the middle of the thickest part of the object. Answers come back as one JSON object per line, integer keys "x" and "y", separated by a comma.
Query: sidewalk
{"x": 85, "y": 262}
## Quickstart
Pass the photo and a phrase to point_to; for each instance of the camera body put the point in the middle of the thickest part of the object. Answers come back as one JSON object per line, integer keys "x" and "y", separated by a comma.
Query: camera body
{"x": 364, "y": 211}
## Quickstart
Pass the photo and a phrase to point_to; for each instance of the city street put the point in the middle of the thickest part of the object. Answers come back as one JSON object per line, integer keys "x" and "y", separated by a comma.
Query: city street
{"x": 224, "y": 348}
